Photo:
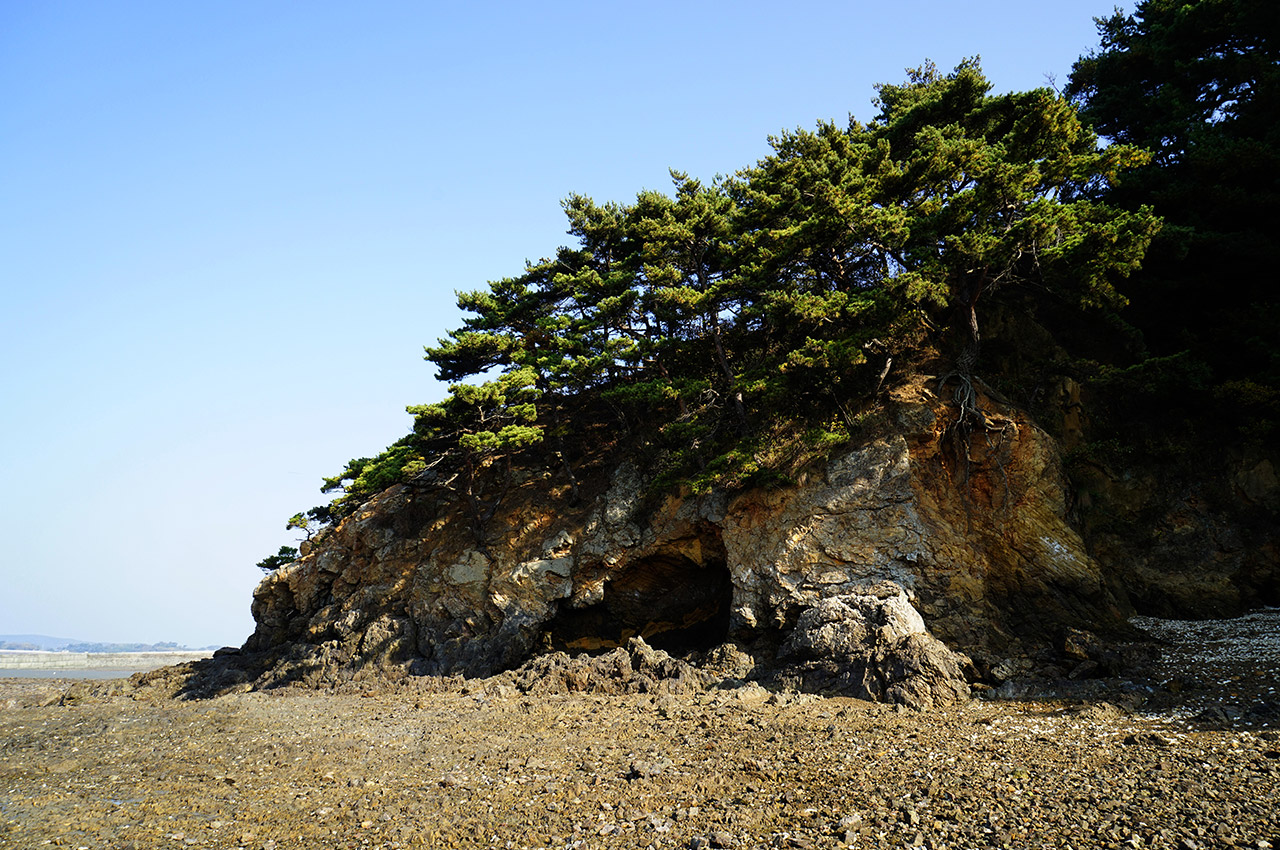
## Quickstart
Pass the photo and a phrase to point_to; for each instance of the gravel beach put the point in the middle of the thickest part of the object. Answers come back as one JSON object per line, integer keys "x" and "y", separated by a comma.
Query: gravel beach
{"x": 1189, "y": 758}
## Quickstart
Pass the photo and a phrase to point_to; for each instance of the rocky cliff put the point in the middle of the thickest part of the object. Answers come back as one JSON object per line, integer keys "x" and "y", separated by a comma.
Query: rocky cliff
{"x": 1194, "y": 536}
{"x": 966, "y": 542}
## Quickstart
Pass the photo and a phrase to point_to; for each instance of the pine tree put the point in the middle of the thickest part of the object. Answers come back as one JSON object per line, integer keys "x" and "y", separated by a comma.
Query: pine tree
{"x": 947, "y": 197}
{"x": 1198, "y": 83}
{"x": 781, "y": 293}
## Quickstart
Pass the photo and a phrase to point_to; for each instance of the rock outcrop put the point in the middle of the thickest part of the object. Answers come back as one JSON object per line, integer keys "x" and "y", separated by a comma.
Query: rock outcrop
{"x": 973, "y": 535}
{"x": 635, "y": 668}
{"x": 1190, "y": 536}
{"x": 874, "y": 645}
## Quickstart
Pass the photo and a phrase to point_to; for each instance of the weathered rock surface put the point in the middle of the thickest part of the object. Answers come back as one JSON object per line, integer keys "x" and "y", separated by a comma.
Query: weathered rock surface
{"x": 636, "y": 668}
{"x": 874, "y": 645}
{"x": 1197, "y": 535}
{"x": 975, "y": 533}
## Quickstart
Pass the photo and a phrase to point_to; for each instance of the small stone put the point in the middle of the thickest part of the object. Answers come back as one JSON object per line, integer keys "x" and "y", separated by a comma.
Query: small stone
{"x": 1084, "y": 670}
{"x": 646, "y": 769}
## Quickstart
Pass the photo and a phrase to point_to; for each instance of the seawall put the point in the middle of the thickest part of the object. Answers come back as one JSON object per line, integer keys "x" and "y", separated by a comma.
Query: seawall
{"x": 131, "y": 661}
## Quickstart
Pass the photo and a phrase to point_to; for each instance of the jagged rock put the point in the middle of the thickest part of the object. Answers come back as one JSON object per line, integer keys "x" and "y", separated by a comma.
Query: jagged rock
{"x": 874, "y": 645}
{"x": 1218, "y": 716}
{"x": 636, "y": 668}
{"x": 728, "y": 661}
{"x": 1080, "y": 645}
{"x": 984, "y": 550}
{"x": 851, "y": 624}
{"x": 1197, "y": 536}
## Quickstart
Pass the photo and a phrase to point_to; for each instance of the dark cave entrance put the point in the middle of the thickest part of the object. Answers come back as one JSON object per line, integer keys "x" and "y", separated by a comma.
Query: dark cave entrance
{"x": 672, "y": 602}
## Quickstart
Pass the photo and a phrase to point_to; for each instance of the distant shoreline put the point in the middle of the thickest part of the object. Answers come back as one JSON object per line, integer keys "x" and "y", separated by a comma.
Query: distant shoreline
{"x": 66, "y": 675}
{"x": 125, "y": 662}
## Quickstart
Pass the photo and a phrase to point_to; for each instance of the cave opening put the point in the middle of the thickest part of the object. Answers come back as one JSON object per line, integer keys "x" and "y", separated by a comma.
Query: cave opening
{"x": 673, "y": 602}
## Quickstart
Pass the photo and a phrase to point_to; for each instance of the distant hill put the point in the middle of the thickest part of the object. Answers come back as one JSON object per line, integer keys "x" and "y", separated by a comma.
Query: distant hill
{"x": 35, "y": 642}
{"x": 54, "y": 644}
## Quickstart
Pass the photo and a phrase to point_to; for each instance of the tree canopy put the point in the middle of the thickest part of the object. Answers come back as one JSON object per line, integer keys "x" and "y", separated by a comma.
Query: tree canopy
{"x": 782, "y": 292}
{"x": 271, "y": 563}
{"x": 1198, "y": 84}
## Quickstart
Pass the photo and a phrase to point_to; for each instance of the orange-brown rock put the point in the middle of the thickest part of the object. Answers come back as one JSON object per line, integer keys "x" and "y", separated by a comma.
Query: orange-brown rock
{"x": 973, "y": 527}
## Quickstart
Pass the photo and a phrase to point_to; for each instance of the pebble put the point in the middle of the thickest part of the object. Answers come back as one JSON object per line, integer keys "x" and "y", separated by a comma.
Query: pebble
{"x": 403, "y": 769}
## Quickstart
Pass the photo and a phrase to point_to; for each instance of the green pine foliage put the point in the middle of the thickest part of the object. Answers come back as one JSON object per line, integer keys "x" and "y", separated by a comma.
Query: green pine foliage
{"x": 271, "y": 563}
{"x": 364, "y": 477}
{"x": 723, "y": 320}
{"x": 1198, "y": 84}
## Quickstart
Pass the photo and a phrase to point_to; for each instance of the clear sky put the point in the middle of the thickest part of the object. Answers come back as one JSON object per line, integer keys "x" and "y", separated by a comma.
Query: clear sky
{"x": 227, "y": 229}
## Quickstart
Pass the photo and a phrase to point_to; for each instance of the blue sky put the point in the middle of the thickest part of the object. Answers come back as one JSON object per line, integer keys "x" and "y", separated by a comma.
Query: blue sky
{"x": 228, "y": 229}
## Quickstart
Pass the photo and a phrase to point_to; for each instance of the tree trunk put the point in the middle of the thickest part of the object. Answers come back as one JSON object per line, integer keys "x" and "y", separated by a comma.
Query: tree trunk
{"x": 561, "y": 453}
{"x": 738, "y": 405}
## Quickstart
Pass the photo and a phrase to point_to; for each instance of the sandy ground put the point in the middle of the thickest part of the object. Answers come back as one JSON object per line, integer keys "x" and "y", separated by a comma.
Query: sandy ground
{"x": 1189, "y": 759}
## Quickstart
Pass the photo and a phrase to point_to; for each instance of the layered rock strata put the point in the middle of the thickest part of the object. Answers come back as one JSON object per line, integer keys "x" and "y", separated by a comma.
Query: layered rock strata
{"x": 966, "y": 531}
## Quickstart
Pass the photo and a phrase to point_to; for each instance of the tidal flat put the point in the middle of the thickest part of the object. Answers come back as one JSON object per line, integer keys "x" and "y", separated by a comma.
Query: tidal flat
{"x": 1189, "y": 760}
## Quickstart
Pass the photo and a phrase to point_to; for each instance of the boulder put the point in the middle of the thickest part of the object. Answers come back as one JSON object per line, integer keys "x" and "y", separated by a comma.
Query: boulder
{"x": 874, "y": 645}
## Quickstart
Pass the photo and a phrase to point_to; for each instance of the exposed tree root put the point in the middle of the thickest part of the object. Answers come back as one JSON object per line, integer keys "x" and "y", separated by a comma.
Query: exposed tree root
{"x": 971, "y": 420}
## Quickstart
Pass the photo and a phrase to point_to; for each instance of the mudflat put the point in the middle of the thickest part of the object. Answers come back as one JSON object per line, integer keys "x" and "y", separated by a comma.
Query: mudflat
{"x": 1190, "y": 760}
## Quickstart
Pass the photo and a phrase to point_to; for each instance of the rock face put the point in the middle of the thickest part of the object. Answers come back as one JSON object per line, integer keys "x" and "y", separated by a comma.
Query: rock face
{"x": 874, "y": 645}
{"x": 839, "y": 574}
{"x": 1194, "y": 536}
